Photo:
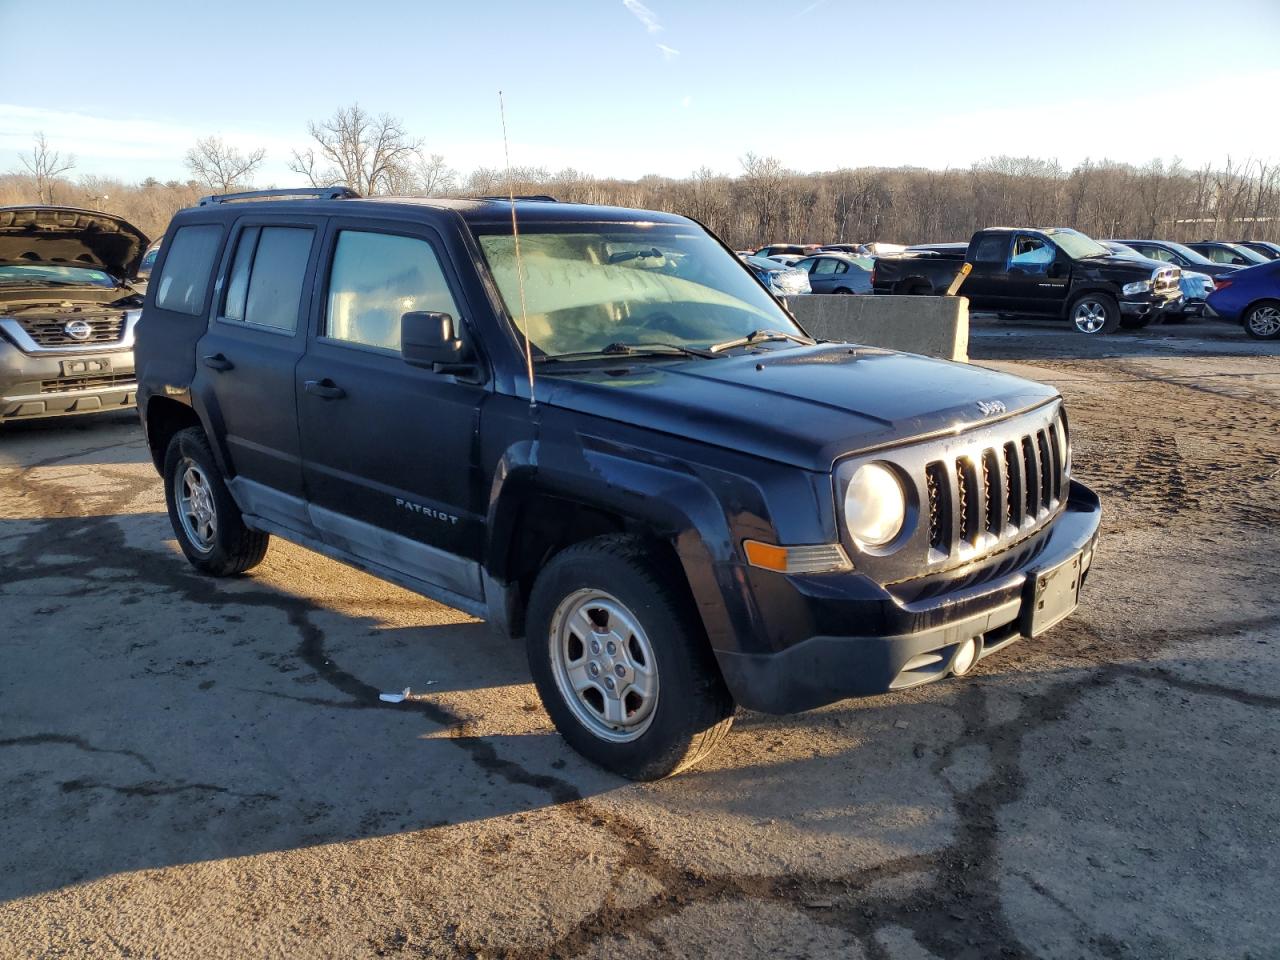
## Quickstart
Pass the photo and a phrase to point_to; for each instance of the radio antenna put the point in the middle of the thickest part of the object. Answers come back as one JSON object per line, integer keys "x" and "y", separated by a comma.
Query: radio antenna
{"x": 515, "y": 233}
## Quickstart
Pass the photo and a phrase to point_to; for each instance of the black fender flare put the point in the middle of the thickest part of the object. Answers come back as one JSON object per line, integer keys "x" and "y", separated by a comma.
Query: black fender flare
{"x": 658, "y": 494}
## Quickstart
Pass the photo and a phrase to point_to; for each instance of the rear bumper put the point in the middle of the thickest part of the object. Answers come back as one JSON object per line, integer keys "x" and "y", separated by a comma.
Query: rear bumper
{"x": 919, "y": 642}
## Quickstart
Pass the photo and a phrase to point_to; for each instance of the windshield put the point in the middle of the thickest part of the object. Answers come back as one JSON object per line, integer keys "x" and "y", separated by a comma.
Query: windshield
{"x": 592, "y": 286}
{"x": 40, "y": 273}
{"x": 1253, "y": 256}
{"x": 1120, "y": 250}
{"x": 1187, "y": 252}
{"x": 1076, "y": 245}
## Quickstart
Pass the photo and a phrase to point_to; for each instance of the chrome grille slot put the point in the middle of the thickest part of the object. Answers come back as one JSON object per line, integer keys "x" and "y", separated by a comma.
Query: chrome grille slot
{"x": 1013, "y": 485}
{"x": 1031, "y": 475}
{"x": 939, "y": 507}
{"x": 994, "y": 491}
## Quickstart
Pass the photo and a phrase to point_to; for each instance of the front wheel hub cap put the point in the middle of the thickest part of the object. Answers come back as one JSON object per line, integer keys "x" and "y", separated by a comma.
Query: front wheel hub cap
{"x": 604, "y": 665}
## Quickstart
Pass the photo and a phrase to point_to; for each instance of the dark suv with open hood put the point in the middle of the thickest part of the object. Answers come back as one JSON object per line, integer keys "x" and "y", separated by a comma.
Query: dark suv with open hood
{"x": 609, "y": 438}
{"x": 67, "y": 312}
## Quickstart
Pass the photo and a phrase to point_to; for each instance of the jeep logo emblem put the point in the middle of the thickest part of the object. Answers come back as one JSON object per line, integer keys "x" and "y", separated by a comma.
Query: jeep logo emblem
{"x": 78, "y": 329}
{"x": 990, "y": 408}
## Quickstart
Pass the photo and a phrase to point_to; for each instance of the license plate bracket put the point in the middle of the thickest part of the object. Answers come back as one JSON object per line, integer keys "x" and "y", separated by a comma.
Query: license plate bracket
{"x": 1051, "y": 595}
{"x": 86, "y": 366}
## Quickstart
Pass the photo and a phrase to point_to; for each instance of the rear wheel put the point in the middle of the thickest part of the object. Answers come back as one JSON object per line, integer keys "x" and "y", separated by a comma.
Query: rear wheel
{"x": 1262, "y": 320}
{"x": 207, "y": 522}
{"x": 621, "y": 662}
{"x": 1094, "y": 313}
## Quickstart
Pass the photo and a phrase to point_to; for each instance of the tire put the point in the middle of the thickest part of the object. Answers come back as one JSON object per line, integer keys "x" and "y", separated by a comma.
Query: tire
{"x": 1262, "y": 320}
{"x": 669, "y": 706}
{"x": 1094, "y": 313}
{"x": 841, "y": 290}
{"x": 206, "y": 521}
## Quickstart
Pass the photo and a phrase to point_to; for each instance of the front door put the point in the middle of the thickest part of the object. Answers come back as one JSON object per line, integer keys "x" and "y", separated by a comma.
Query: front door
{"x": 390, "y": 452}
{"x": 245, "y": 362}
{"x": 1036, "y": 283}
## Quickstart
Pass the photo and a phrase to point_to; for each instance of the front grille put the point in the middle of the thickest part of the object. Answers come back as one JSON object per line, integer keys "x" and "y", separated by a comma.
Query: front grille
{"x": 62, "y": 384}
{"x": 51, "y": 331}
{"x": 997, "y": 494}
{"x": 1167, "y": 282}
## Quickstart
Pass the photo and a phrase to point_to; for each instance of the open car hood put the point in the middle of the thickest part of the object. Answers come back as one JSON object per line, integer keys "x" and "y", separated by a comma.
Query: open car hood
{"x": 67, "y": 236}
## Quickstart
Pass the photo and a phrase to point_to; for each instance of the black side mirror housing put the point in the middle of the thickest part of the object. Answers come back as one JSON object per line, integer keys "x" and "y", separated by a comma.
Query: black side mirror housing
{"x": 428, "y": 340}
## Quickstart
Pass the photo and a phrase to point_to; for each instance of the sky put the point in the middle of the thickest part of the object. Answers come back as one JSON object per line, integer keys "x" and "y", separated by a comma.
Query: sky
{"x": 624, "y": 87}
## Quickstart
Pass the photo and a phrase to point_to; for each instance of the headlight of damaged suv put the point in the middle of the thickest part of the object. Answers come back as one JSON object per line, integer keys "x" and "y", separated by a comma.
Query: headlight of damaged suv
{"x": 875, "y": 506}
{"x": 1133, "y": 289}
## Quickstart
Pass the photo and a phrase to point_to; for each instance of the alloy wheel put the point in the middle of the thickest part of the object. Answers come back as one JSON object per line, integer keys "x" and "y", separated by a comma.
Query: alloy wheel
{"x": 1090, "y": 316}
{"x": 196, "y": 509}
{"x": 1264, "y": 321}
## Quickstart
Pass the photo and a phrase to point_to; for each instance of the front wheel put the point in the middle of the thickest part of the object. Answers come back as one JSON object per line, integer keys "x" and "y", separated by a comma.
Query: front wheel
{"x": 621, "y": 662}
{"x": 1094, "y": 313}
{"x": 1262, "y": 321}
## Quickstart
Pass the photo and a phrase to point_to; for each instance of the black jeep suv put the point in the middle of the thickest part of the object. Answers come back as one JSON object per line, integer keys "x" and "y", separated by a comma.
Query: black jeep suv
{"x": 604, "y": 435}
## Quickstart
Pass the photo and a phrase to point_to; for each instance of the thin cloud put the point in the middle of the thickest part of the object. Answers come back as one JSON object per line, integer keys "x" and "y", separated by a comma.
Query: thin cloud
{"x": 810, "y": 8}
{"x": 686, "y": 102}
{"x": 668, "y": 53}
{"x": 644, "y": 15}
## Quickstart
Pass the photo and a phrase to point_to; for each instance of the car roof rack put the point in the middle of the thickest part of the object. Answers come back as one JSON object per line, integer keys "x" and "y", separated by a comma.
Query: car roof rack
{"x": 310, "y": 193}
{"x": 542, "y": 197}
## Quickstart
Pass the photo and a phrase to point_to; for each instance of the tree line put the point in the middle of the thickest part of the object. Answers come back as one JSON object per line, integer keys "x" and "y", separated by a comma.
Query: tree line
{"x": 762, "y": 202}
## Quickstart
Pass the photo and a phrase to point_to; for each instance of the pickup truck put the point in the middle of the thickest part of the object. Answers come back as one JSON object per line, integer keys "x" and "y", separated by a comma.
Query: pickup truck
{"x": 1056, "y": 272}
{"x": 611, "y": 441}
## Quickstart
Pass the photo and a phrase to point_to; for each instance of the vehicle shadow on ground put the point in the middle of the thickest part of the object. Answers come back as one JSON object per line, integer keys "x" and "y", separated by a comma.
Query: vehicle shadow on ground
{"x": 995, "y": 339}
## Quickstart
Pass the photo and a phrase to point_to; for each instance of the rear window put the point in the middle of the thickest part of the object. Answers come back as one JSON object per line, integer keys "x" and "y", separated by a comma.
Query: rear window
{"x": 185, "y": 278}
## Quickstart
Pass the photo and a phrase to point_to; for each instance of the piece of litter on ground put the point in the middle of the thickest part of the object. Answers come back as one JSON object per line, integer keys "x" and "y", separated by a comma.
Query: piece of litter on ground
{"x": 902, "y": 724}
{"x": 395, "y": 697}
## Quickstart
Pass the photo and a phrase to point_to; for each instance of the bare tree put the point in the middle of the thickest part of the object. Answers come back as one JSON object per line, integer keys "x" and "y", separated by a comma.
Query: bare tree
{"x": 434, "y": 176}
{"x": 372, "y": 155}
{"x": 220, "y": 166}
{"x": 46, "y": 166}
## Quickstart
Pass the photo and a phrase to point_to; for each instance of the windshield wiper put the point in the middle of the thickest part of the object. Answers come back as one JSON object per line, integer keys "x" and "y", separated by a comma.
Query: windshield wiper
{"x": 759, "y": 336}
{"x": 629, "y": 350}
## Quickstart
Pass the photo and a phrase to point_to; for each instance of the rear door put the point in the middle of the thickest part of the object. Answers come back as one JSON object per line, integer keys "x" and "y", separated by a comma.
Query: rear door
{"x": 389, "y": 451}
{"x": 245, "y": 362}
{"x": 985, "y": 286}
{"x": 822, "y": 278}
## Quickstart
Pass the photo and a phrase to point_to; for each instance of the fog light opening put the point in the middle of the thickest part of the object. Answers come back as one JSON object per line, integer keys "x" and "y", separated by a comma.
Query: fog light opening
{"x": 966, "y": 656}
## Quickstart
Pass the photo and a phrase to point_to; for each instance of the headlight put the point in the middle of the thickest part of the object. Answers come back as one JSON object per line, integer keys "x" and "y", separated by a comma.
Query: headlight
{"x": 875, "y": 506}
{"x": 1131, "y": 289}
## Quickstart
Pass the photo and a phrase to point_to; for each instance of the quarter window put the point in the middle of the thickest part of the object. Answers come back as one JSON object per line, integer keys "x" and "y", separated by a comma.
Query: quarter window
{"x": 375, "y": 280}
{"x": 185, "y": 278}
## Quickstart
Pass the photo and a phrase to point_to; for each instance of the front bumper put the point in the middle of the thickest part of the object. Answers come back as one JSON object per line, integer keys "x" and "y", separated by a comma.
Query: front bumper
{"x": 34, "y": 385}
{"x": 914, "y": 642}
{"x": 1150, "y": 308}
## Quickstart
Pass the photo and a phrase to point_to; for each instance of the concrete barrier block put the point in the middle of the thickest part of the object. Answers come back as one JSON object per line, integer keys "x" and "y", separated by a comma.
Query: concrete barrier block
{"x": 932, "y": 326}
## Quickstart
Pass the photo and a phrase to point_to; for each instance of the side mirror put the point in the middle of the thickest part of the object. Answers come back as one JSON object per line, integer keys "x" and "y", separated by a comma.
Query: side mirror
{"x": 428, "y": 340}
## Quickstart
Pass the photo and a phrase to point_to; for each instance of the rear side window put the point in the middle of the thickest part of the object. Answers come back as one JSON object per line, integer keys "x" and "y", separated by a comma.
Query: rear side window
{"x": 375, "y": 280}
{"x": 185, "y": 278}
{"x": 991, "y": 249}
{"x": 267, "y": 274}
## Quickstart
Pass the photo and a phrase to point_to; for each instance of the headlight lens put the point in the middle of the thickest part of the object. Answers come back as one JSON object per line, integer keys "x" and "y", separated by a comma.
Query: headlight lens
{"x": 875, "y": 506}
{"x": 1131, "y": 289}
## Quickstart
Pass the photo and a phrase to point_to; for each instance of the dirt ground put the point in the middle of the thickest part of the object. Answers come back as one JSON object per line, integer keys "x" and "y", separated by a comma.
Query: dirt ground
{"x": 202, "y": 768}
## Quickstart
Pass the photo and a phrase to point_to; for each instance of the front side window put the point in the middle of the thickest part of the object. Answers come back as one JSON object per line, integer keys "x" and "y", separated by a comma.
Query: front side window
{"x": 267, "y": 275}
{"x": 1031, "y": 255}
{"x": 185, "y": 278}
{"x": 589, "y": 286}
{"x": 376, "y": 279}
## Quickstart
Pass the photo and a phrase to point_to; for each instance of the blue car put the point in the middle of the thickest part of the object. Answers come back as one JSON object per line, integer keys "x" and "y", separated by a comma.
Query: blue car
{"x": 1251, "y": 298}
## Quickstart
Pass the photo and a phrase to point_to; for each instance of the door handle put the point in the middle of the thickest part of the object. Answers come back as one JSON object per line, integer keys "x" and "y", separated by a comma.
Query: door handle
{"x": 325, "y": 389}
{"x": 218, "y": 362}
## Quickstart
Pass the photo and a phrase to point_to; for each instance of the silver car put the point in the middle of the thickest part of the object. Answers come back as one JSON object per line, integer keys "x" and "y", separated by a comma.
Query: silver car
{"x": 67, "y": 311}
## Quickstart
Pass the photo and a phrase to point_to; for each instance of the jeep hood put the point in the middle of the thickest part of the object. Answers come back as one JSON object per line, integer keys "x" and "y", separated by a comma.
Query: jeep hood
{"x": 66, "y": 236}
{"x": 805, "y": 406}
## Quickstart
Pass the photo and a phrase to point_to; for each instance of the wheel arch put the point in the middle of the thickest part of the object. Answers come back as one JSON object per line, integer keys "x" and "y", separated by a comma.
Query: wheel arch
{"x": 163, "y": 418}
{"x": 535, "y": 513}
